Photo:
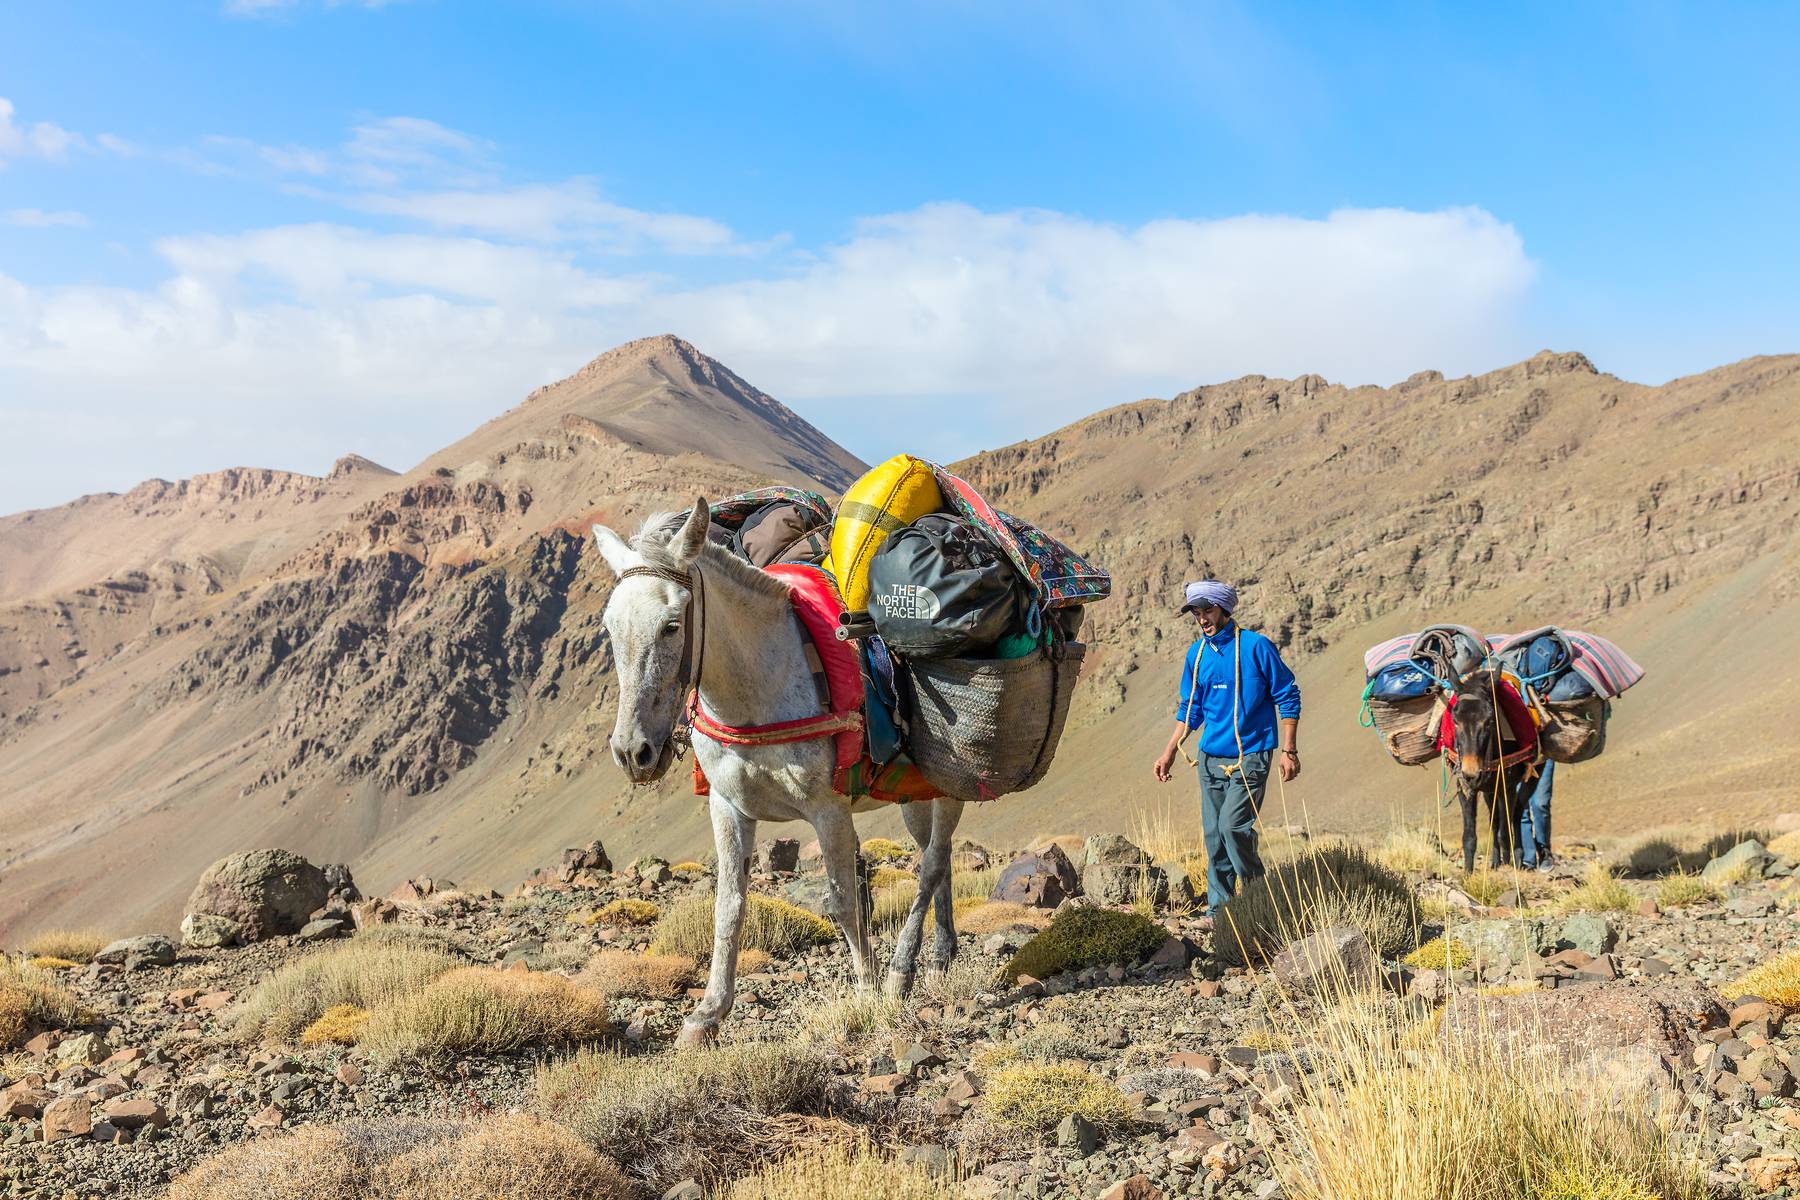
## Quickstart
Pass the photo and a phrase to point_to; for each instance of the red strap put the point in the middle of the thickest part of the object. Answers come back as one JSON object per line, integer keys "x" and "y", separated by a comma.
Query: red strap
{"x": 804, "y": 729}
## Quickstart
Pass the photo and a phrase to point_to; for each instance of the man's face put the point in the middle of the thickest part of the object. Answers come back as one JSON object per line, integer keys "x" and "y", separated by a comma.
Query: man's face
{"x": 1210, "y": 616}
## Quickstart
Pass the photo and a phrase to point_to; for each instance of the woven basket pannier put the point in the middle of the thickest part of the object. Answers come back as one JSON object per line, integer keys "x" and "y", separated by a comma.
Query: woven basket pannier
{"x": 984, "y": 727}
{"x": 1574, "y": 730}
{"x": 1409, "y": 728}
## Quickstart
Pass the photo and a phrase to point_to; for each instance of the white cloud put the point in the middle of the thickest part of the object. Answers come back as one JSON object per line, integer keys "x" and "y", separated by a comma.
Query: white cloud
{"x": 37, "y": 218}
{"x": 944, "y": 329}
{"x": 42, "y": 139}
{"x": 569, "y": 211}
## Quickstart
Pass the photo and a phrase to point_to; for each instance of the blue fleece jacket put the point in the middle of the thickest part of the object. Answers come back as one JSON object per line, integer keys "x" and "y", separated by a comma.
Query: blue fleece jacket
{"x": 1268, "y": 687}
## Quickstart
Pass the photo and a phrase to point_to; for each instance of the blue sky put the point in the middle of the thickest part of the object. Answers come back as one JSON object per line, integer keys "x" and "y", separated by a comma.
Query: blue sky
{"x": 270, "y": 233}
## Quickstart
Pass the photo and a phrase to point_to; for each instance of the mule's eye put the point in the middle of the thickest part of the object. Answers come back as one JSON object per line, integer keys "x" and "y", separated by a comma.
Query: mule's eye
{"x": 671, "y": 629}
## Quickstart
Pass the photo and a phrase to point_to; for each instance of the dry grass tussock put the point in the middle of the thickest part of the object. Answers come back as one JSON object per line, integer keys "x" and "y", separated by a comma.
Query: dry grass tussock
{"x": 1489, "y": 885}
{"x": 692, "y": 1113}
{"x": 849, "y": 1019}
{"x": 885, "y": 850}
{"x": 45, "y": 963}
{"x": 1786, "y": 846}
{"x": 770, "y": 925}
{"x": 1167, "y": 839}
{"x": 626, "y": 912}
{"x": 73, "y": 945}
{"x": 1414, "y": 849}
{"x": 1777, "y": 981}
{"x": 840, "y": 1171}
{"x": 893, "y": 901}
{"x": 1398, "y": 1116}
{"x": 1440, "y": 954}
{"x": 1036, "y": 1097}
{"x": 1681, "y": 890}
{"x": 501, "y": 1158}
{"x": 992, "y": 916}
{"x": 339, "y": 1025}
{"x": 651, "y": 976}
{"x": 1335, "y": 885}
{"x": 31, "y": 1000}
{"x": 366, "y": 972}
{"x": 1599, "y": 891}
{"x": 478, "y": 1010}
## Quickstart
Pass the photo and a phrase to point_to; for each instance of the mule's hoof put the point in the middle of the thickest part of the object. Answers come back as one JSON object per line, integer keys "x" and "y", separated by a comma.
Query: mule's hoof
{"x": 698, "y": 1033}
{"x": 899, "y": 985}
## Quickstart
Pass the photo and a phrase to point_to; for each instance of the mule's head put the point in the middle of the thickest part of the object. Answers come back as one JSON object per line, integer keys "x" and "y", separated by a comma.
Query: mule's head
{"x": 1477, "y": 739}
{"x": 647, "y": 619}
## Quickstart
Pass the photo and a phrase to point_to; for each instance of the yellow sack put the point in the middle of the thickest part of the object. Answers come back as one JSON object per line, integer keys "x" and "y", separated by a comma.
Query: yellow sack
{"x": 887, "y": 499}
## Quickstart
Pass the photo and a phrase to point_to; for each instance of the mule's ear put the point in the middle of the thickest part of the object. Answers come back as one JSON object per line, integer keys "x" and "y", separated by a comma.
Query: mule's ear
{"x": 613, "y": 549}
{"x": 687, "y": 544}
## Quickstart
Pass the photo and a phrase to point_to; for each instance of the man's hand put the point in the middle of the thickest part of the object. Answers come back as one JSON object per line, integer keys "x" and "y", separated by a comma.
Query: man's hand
{"x": 1290, "y": 765}
{"x": 1165, "y": 765}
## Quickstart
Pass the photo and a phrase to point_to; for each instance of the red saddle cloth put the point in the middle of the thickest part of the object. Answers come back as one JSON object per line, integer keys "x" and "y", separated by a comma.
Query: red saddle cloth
{"x": 1516, "y": 728}
{"x": 839, "y": 675}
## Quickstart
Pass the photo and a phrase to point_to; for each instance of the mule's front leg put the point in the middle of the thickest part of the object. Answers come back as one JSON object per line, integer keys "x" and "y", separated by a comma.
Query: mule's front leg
{"x": 734, "y": 835}
{"x": 906, "y": 944}
{"x": 1469, "y": 800}
{"x": 837, "y": 842}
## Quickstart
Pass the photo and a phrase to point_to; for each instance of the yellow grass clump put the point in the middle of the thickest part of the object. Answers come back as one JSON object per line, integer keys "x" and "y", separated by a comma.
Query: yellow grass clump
{"x": 75, "y": 945}
{"x": 652, "y": 976}
{"x": 837, "y": 1171}
{"x": 689, "y": 1114}
{"x": 1035, "y": 1097}
{"x": 992, "y": 916}
{"x": 750, "y": 961}
{"x": 884, "y": 850}
{"x": 1408, "y": 1113}
{"x": 894, "y": 901}
{"x": 882, "y": 877}
{"x": 1785, "y": 846}
{"x": 32, "y": 1000}
{"x": 478, "y": 1010}
{"x": 1332, "y": 885}
{"x": 627, "y": 911}
{"x": 1681, "y": 889}
{"x": 339, "y": 1025}
{"x": 690, "y": 867}
{"x": 368, "y": 972}
{"x": 1413, "y": 849}
{"x": 499, "y": 1158}
{"x": 849, "y": 1019}
{"x": 44, "y": 962}
{"x": 1440, "y": 954}
{"x": 770, "y": 925}
{"x": 1600, "y": 891}
{"x": 1777, "y": 981}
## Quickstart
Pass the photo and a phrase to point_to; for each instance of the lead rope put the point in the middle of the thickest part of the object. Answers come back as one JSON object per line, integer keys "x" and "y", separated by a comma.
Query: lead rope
{"x": 1237, "y": 679}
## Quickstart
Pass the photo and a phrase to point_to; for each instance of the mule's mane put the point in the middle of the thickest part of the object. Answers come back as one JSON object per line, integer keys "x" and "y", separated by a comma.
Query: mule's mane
{"x": 660, "y": 529}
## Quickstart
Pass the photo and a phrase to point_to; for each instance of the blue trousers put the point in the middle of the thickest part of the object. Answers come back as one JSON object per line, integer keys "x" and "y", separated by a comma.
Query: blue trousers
{"x": 1534, "y": 819}
{"x": 1229, "y": 803}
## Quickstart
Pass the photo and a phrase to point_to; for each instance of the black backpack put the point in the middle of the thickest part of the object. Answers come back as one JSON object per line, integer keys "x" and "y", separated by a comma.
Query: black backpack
{"x": 940, "y": 588}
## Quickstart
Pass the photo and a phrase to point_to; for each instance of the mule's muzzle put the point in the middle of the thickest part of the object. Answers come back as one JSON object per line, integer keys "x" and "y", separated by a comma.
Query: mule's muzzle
{"x": 641, "y": 761}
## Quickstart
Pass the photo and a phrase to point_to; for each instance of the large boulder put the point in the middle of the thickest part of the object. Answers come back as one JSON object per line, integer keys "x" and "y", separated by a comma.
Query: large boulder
{"x": 1117, "y": 872}
{"x": 1745, "y": 860}
{"x": 1330, "y": 960}
{"x": 145, "y": 950}
{"x": 1622, "y": 1037}
{"x": 1503, "y": 941}
{"x": 1038, "y": 879}
{"x": 267, "y": 892}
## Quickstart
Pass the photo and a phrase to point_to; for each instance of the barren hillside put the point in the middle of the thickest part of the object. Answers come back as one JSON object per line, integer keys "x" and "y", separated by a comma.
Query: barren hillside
{"x": 408, "y": 673}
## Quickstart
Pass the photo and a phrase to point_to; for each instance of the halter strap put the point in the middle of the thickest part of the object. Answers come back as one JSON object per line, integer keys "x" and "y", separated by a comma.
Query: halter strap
{"x": 693, "y": 659}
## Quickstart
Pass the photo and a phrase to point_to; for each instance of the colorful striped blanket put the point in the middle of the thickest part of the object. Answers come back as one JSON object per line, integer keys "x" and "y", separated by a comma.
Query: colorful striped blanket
{"x": 1596, "y": 659}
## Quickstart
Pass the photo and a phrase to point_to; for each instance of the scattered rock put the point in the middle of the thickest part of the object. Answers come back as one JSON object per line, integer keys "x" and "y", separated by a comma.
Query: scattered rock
{"x": 1746, "y": 860}
{"x": 1590, "y": 933}
{"x": 150, "y": 949}
{"x": 68, "y": 1117}
{"x": 1138, "y": 1187}
{"x": 208, "y": 931}
{"x": 1339, "y": 955}
{"x": 1040, "y": 879}
{"x": 780, "y": 856}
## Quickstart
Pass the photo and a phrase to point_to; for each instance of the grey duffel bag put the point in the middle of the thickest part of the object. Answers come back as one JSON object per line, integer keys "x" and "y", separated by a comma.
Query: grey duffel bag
{"x": 985, "y": 727}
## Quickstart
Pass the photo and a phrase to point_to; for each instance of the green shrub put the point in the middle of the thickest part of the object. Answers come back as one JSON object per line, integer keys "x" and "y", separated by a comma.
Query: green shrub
{"x": 690, "y": 1114}
{"x": 1336, "y": 885}
{"x": 1036, "y": 1097}
{"x": 1440, "y": 954}
{"x": 770, "y": 925}
{"x": 369, "y": 972}
{"x": 1085, "y": 937}
{"x": 885, "y": 850}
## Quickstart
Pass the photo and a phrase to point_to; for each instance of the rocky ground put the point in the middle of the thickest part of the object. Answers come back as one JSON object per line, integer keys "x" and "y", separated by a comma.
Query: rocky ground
{"x": 158, "y": 1081}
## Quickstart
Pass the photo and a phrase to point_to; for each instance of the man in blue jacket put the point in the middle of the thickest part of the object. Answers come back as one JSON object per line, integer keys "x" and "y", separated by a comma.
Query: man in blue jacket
{"x": 1240, "y": 695}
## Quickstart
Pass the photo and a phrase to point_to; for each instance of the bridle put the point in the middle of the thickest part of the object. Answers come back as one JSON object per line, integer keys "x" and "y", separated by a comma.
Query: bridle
{"x": 693, "y": 650}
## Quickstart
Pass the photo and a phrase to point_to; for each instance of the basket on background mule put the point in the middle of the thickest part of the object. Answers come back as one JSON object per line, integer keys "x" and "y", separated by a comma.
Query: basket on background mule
{"x": 1574, "y": 730}
{"x": 1409, "y": 728}
{"x": 984, "y": 727}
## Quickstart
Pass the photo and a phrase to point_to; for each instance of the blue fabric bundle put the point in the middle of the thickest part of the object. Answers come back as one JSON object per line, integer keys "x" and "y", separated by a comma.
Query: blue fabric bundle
{"x": 1401, "y": 681}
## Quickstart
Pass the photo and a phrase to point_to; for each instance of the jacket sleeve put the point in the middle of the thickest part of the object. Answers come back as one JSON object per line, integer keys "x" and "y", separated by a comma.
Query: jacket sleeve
{"x": 1187, "y": 707}
{"x": 1282, "y": 687}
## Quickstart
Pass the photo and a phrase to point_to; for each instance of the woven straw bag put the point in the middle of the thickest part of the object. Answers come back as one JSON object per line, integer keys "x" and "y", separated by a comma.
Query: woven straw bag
{"x": 1574, "y": 730}
{"x": 981, "y": 727}
{"x": 1409, "y": 728}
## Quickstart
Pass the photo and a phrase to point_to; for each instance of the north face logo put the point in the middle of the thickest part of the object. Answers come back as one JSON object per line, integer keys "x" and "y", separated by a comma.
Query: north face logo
{"x": 908, "y": 602}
